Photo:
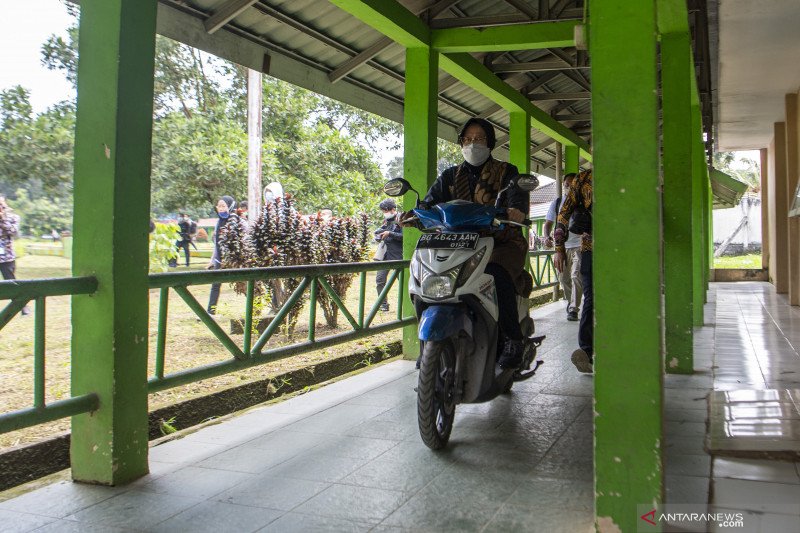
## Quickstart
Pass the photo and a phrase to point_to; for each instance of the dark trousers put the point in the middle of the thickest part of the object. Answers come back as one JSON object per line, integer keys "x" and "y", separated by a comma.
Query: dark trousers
{"x": 506, "y": 302}
{"x": 8, "y": 269}
{"x": 586, "y": 330}
{"x": 181, "y": 245}
{"x": 380, "y": 282}
{"x": 214, "y": 296}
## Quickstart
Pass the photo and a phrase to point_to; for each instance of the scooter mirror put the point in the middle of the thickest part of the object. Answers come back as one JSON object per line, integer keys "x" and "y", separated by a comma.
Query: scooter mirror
{"x": 396, "y": 187}
{"x": 527, "y": 182}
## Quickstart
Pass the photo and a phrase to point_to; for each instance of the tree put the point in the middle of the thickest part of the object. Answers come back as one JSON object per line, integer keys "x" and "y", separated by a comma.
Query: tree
{"x": 35, "y": 151}
{"x": 447, "y": 155}
{"x": 743, "y": 169}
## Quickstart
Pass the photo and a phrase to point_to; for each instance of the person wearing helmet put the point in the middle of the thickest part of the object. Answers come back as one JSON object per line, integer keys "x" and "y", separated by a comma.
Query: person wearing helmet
{"x": 391, "y": 236}
{"x": 479, "y": 179}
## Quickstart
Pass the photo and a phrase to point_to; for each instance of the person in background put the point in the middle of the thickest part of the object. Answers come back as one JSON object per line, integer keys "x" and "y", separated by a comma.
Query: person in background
{"x": 575, "y": 216}
{"x": 9, "y": 230}
{"x": 187, "y": 229}
{"x": 226, "y": 214}
{"x": 570, "y": 278}
{"x": 242, "y": 210}
{"x": 390, "y": 234}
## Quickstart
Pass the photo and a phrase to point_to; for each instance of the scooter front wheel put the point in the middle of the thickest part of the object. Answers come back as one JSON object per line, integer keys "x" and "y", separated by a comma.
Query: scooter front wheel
{"x": 436, "y": 407}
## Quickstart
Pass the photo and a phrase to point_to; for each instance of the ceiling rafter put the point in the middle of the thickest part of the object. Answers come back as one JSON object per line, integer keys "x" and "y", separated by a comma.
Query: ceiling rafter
{"x": 384, "y": 42}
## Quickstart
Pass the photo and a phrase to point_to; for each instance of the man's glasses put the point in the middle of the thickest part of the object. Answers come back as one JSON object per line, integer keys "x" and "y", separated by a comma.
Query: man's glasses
{"x": 471, "y": 140}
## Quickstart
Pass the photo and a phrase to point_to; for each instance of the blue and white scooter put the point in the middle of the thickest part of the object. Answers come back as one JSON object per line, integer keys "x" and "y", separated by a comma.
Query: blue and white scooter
{"x": 456, "y": 304}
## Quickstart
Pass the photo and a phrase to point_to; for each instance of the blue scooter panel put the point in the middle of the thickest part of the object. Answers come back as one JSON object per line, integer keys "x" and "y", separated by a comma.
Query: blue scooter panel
{"x": 439, "y": 322}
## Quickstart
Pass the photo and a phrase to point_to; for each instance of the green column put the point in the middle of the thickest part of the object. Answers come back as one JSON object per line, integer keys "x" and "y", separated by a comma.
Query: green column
{"x": 571, "y": 159}
{"x": 698, "y": 254}
{"x": 628, "y": 367}
{"x": 704, "y": 188}
{"x": 676, "y": 69}
{"x": 112, "y": 205}
{"x": 520, "y": 141}
{"x": 709, "y": 228}
{"x": 419, "y": 153}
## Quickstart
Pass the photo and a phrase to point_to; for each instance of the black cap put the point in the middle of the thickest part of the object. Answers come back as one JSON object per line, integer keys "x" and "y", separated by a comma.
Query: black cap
{"x": 485, "y": 125}
{"x": 387, "y": 205}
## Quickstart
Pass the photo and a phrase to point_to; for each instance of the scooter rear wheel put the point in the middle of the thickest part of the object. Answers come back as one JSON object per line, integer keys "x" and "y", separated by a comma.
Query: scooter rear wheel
{"x": 436, "y": 407}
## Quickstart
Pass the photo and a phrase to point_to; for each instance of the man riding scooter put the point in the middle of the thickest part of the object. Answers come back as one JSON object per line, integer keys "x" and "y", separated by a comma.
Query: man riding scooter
{"x": 479, "y": 179}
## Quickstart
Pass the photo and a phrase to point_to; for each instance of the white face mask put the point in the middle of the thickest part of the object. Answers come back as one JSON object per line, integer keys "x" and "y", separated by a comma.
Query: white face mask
{"x": 389, "y": 215}
{"x": 475, "y": 154}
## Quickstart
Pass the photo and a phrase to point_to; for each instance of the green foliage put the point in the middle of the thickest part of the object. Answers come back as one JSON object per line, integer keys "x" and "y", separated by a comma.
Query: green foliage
{"x": 743, "y": 169}
{"x": 447, "y": 155}
{"x": 167, "y": 426}
{"x": 41, "y": 216}
{"x": 35, "y": 152}
{"x": 162, "y": 246}
{"x": 322, "y": 151}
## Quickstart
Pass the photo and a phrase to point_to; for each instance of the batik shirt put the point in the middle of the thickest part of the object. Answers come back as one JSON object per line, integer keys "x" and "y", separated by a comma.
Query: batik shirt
{"x": 579, "y": 190}
{"x": 9, "y": 228}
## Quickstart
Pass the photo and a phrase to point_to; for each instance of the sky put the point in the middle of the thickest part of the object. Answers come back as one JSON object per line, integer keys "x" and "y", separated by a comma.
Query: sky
{"x": 23, "y": 28}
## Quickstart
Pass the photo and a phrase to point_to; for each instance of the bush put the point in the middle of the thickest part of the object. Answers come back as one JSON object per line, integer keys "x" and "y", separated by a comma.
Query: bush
{"x": 162, "y": 246}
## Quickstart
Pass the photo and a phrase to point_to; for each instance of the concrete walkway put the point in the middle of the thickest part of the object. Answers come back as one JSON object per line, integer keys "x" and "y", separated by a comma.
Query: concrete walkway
{"x": 347, "y": 457}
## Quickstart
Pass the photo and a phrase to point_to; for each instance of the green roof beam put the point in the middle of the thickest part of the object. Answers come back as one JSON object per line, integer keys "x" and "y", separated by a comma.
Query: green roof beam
{"x": 474, "y": 74}
{"x": 532, "y": 36}
{"x": 391, "y": 19}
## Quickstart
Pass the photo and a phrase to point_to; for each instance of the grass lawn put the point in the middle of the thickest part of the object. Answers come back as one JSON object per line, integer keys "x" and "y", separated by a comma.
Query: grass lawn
{"x": 189, "y": 344}
{"x": 738, "y": 261}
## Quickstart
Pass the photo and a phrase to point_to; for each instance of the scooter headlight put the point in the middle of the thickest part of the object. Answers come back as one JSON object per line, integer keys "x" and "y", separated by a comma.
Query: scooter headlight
{"x": 439, "y": 285}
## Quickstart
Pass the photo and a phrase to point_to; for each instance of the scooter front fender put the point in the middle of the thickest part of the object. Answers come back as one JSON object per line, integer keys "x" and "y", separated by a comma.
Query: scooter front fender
{"x": 439, "y": 322}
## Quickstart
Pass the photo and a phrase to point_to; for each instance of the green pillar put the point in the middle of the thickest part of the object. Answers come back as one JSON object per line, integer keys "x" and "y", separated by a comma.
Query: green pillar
{"x": 571, "y": 159}
{"x": 419, "y": 153}
{"x": 519, "y": 155}
{"x": 706, "y": 222}
{"x": 676, "y": 69}
{"x": 709, "y": 228}
{"x": 628, "y": 367}
{"x": 520, "y": 141}
{"x": 698, "y": 254}
{"x": 112, "y": 206}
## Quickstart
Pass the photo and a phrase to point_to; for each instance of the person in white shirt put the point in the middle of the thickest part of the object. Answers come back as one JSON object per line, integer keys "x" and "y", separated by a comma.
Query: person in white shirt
{"x": 570, "y": 278}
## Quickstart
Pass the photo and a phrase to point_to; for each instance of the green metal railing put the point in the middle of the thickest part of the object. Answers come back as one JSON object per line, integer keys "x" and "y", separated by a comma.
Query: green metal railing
{"x": 21, "y": 293}
{"x": 542, "y": 269}
{"x": 252, "y": 351}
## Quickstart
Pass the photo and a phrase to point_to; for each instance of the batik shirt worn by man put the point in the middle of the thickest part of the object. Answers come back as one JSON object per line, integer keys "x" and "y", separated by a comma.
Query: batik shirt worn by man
{"x": 9, "y": 229}
{"x": 579, "y": 194}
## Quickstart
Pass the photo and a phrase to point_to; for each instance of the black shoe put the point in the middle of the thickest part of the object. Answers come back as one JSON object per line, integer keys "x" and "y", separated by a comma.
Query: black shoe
{"x": 572, "y": 316}
{"x": 512, "y": 355}
{"x": 385, "y": 307}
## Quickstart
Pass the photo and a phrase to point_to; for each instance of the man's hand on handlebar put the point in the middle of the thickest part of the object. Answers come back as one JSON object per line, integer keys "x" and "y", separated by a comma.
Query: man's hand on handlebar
{"x": 407, "y": 219}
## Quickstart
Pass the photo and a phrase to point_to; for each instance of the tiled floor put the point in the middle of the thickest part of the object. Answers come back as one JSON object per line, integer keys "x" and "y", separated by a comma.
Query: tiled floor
{"x": 347, "y": 457}
{"x": 756, "y": 342}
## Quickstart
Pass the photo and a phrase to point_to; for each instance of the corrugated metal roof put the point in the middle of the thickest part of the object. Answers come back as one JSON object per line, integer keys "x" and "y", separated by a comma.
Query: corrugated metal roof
{"x": 321, "y": 36}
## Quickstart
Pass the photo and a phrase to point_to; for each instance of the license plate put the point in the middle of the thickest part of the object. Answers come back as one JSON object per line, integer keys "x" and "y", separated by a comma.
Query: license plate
{"x": 448, "y": 241}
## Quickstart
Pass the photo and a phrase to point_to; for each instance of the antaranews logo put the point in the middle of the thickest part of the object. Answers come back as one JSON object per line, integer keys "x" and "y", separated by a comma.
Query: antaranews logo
{"x": 682, "y": 517}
